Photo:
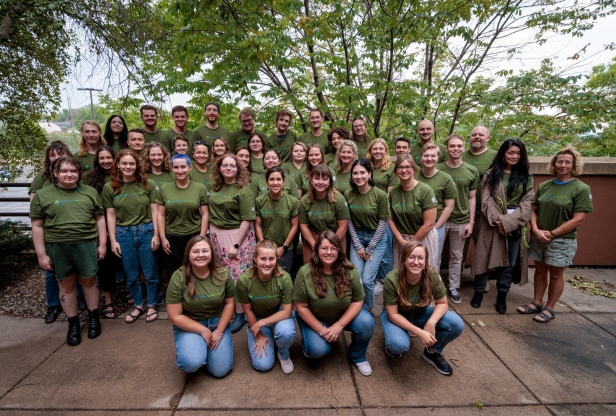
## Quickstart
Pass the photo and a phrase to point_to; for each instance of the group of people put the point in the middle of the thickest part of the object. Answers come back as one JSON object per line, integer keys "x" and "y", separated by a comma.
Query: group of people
{"x": 223, "y": 212}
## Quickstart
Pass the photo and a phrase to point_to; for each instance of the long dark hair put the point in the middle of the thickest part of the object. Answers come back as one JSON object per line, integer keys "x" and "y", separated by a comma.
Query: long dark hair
{"x": 108, "y": 136}
{"x": 402, "y": 291}
{"x": 340, "y": 269}
{"x": 95, "y": 177}
{"x": 58, "y": 147}
{"x": 216, "y": 267}
{"x": 520, "y": 172}
{"x": 366, "y": 165}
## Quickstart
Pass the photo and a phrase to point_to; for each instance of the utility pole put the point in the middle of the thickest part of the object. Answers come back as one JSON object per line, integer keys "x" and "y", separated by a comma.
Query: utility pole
{"x": 91, "y": 100}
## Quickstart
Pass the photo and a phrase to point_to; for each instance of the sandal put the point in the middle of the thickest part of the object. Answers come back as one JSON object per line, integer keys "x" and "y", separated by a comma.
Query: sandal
{"x": 108, "y": 312}
{"x": 148, "y": 317}
{"x": 528, "y": 310}
{"x": 545, "y": 318}
{"x": 130, "y": 318}
{"x": 129, "y": 299}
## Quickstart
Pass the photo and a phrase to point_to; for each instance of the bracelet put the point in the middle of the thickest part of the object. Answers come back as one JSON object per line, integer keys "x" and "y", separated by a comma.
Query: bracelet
{"x": 552, "y": 234}
{"x": 324, "y": 328}
{"x": 218, "y": 333}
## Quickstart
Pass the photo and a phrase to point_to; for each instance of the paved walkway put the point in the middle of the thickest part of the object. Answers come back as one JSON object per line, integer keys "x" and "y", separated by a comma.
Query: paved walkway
{"x": 508, "y": 364}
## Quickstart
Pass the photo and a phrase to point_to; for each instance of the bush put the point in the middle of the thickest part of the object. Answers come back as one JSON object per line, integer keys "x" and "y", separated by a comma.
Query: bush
{"x": 15, "y": 245}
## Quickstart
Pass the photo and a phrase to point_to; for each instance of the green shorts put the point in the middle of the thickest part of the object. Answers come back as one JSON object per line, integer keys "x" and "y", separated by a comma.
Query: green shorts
{"x": 558, "y": 253}
{"x": 68, "y": 259}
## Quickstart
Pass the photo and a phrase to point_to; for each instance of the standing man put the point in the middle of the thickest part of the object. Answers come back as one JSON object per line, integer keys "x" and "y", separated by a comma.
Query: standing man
{"x": 179, "y": 114}
{"x": 402, "y": 146}
{"x": 425, "y": 131}
{"x": 462, "y": 219}
{"x": 316, "y": 133}
{"x": 240, "y": 137}
{"x": 283, "y": 138}
{"x": 149, "y": 116}
{"x": 211, "y": 129}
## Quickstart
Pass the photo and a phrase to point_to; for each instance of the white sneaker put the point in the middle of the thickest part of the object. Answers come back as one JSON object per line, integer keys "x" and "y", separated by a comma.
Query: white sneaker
{"x": 364, "y": 368}
{"x": 378, "y": 288}
{"x": 286, "y": 365}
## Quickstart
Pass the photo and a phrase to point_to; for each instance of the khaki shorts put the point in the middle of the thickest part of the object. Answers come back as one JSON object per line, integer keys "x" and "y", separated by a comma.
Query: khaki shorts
{"x": 70, "y": 259}
{"x": 558, "y": 253}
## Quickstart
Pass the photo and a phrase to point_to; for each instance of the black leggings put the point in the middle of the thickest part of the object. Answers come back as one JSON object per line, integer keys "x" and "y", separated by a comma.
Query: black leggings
{"x": 177, "y": 243}
{"x": 107, "y": 269}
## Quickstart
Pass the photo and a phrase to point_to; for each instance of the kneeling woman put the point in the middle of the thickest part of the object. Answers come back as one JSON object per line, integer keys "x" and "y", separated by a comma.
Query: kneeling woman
{"x": 266, "y": 294}
{"x": 68, "y": 231}
{"x": 328, "y": 298}
{"x": 200, "y": 305}
{"x": 415, "y": 303}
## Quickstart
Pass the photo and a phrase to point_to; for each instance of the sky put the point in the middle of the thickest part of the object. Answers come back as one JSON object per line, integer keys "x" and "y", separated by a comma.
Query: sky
{"x": 558, "y": 47}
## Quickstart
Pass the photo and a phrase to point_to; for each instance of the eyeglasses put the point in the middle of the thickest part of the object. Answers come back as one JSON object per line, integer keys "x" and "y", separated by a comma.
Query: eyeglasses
{"x": 228, "y": 166}
{"x": 328, "y": 249}
{"x": 401, "y": 168}
{"x": 359, "y": 125}
{"x": 419, "y": 258}
{"x": 246, "y": 121}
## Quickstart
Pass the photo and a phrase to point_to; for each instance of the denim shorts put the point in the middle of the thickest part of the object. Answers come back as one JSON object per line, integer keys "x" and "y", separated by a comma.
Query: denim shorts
{"x": 558, "y": 253}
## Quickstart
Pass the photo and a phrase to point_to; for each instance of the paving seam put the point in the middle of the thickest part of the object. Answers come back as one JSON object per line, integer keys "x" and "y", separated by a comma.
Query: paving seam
{"x": 174, "y": 407}
{"x": 361, "y": 407}
{"x": 593, "y": 322}
{"x": 501, "y": 360}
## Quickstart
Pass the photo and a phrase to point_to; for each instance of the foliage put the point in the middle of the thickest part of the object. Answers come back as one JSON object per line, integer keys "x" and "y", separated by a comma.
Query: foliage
{"x": 15, "y": 244}
{"x": 592, "y": 287}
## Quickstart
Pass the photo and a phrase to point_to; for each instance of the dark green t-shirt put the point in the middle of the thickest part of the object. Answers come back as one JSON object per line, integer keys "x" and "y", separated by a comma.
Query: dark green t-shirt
{"x": 69, "y": 215}
{"x": 206, "y": 134}
{"x": 330, "y": 159}
{"x": 182, "y": 207}
{"x": 264, "y": 297}
{"x": 385, "y": 179}
{"x": 162, "y": 178}
{"x": 296, "y": 174}
{"x": 39, "y": 182}
{"x": 330, "y": 308}
{"x": 408, "y": 206}
{"x": 308, "y": 138}
{"x": 204, "y": 178}
{"x": 257, "y": 165}
{"x": 367, "y": 209}
{"x": 209, "y": 298}
{"x": 514, "y": 198}
{"x": 239, "y": 138}
{"x": 320, "y": 215}
{"x": 87, "y": 161}
{"x": 416, "y": 153}
{"x": 153, "y": 137}
{"x": 231, "y": 205}
{"x": 443, "y": 187}
{"x": 482, "y": 162}
{"x": 362, "y": 147}
{"x": 132, "y": 204}
{"x": 282, "y": 144}
{"x": 390, "y": 291}
{"x": 556, "y": 204}
{"x": 466, "y": 179}
{"x": 276, "y": 216}
{"x": 342, "y": 182}
{"x": 167, "y": 137}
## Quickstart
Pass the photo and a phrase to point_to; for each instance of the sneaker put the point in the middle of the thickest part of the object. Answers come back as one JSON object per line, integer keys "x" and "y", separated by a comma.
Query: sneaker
{"x": 437, "y": 360}
{"x": 364, "y": 368}
{"x": 286, "y": 365}
{"x": 392, "y": 355}
{"x": 378, "y": 288}
{"x": 454, "y": 296}
{"x": 160, "y": 302}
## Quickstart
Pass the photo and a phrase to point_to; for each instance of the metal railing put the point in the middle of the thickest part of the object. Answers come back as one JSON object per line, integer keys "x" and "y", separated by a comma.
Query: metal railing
{"x": 14, "y": 199}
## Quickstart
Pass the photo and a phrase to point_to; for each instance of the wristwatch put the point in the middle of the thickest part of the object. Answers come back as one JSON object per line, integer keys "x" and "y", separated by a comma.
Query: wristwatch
{"x": 284, "y": 246}
{"x": 236, "y": 246}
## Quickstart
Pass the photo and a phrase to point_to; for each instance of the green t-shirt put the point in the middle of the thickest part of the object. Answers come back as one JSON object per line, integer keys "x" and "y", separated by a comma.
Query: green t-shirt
{"x": 132, "y": 204}
{"x": 516, "y": 195}
{"x": 330, "y": 308}
{"x": 87, "y": 161}
{"x": 209, "y": 298}
{"x": 362, "y": 147}
{"x": 330, "y": 159}
{"x": 264, "y": 297}
{"x": 342, "y": 181}
{"x": 182, "y": 207}
{"x": 320, "y": 215}
{"x": 443, "y": 187}
{"x": 367, "y": 209}
{"x": 39, "y": 182}
{"x": 408, "y": 206}
{"x": 276, "y": 216}
{"x": 282, "y": 144}
{"x": 296, "y": 174}
{"x": 154, "y": 137}
{"x": 416, "y": 153}
{"x": 308, "y": 138}
{"x": 69, "y": 216}
{"x": 204, "y": 178}
{"x": 385, "y": 179}
{"x": 257, "y": 165}
{"x": 162, "y": 178}
{"x": 206, "y": 134}
{"x": 482, "y": 162}
{"x": 466, "y": 179}
{"x": 390, "y": 291}
{"x": 239, "y": 138}
{"x": 231, "y": 205}
{"x": 167, "y": 137}
{"x": 556, "y": 204}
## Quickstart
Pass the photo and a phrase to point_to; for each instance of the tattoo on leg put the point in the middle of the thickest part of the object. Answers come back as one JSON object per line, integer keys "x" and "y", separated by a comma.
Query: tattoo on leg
{"x": 62, "y": 299}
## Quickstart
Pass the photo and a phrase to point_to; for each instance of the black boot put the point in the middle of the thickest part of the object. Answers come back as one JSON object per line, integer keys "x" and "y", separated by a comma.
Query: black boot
{"x": 501, "y": 302}
{"x": 94, "y": 324}
{"x": 81, "y": 303}
{"x": 476, "y": 301}
{"x": 74, "y": 332}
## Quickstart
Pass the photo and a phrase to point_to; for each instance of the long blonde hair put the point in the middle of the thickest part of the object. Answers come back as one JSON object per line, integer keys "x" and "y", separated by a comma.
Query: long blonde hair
{"x": 83, "y": 148}
{"x": 386, "y": 163}
{"x": 426, "y": 296}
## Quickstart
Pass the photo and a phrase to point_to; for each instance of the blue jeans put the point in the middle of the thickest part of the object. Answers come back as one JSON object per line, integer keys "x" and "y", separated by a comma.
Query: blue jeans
{"x": 362, "y": 328}
{"x": 441, "y": 242}
{"x": 137, "y": 255}
{"x": 193, "y": 353}
{"x": 52, "y": 289}
{"x": 368, "y": 269}
{"x": 398, "y": 340}
{"x": 283, "y": 333}
{"x": 387, "y": 260}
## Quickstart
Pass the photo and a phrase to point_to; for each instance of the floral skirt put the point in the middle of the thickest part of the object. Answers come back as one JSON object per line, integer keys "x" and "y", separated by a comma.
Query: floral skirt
{"x": 223, "y": 240}
{"x": 431, "y": 243}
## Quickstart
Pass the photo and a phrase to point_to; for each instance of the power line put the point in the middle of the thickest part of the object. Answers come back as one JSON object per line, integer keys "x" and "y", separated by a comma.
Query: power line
{"x": 91, "y": 99}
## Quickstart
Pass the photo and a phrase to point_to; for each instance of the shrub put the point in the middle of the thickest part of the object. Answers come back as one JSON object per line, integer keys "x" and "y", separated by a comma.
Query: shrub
{"x": 15, "y": 245}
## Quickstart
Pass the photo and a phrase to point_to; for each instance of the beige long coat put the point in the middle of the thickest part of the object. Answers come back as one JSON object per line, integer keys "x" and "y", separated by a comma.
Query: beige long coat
{"x": 491, "y": 248}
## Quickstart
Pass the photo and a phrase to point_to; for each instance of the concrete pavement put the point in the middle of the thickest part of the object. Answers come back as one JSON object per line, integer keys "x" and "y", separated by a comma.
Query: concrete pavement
{"x": 507, "y": 364}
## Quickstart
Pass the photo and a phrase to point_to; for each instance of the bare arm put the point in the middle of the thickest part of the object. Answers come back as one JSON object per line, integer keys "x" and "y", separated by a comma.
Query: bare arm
{"x": 429, "y": 218}
{"x": 156, "y": 237}
{"x": 102, "y": 236}
{"x": 448, "y": 203}
{"x": 38, "y": 238}
{"x": 394, "y": 230}
{"x": 161, "y": 229}
{"x": 258, "y": 229}
{"x": 111, "y": 229}
{"x": 468, "y": 230}
{"x": 342, "y": 228}
{"x": 307, "y": 235}
{"x": 205, "y": 219}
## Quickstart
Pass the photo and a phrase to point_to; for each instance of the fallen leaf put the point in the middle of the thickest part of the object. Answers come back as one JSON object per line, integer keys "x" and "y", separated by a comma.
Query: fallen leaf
{"x": 481, "y": 324}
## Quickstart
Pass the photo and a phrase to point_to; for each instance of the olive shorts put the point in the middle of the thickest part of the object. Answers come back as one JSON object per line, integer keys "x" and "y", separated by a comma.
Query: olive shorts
{"x": 68, "y": 259}
{"x": 558, "y": 253}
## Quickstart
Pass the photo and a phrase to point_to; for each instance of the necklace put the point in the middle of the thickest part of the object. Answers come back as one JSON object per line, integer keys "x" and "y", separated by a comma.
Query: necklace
{"x": 67, "y": 193}
{"x": 269, "y": 202}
